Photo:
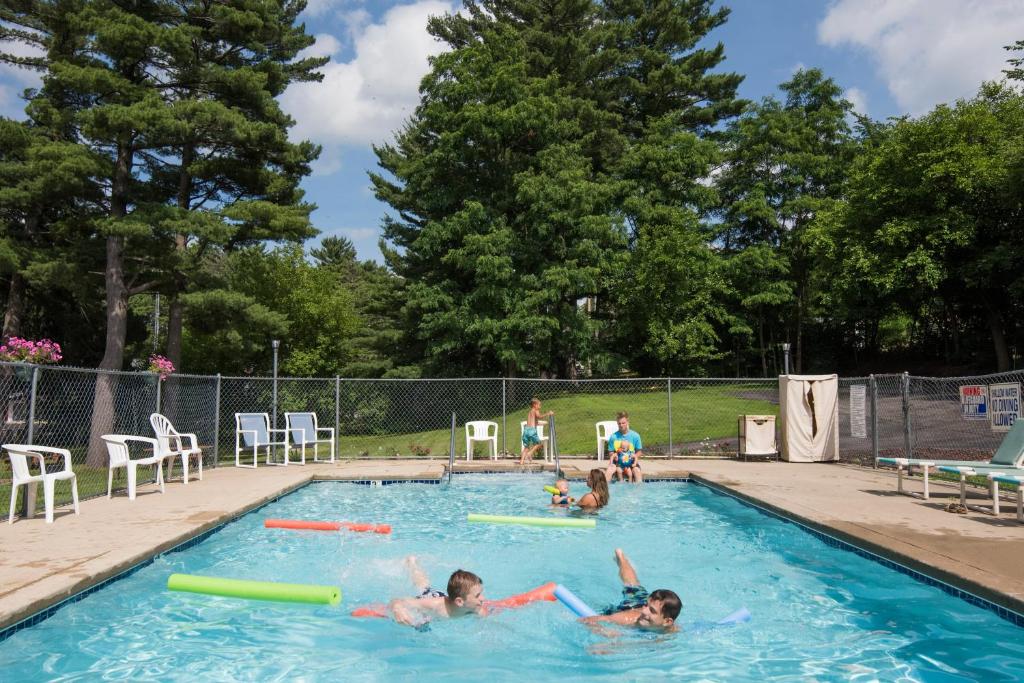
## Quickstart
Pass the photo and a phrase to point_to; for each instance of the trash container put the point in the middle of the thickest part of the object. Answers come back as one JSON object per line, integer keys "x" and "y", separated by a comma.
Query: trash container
{"x": 757, "y": 437}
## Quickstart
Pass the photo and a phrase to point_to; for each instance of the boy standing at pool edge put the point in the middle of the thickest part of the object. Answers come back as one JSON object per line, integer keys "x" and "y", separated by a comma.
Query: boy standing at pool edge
{"x": 531, "y": 440}
{"x": 465, "y": 595}
{"x": 624, "y": 450}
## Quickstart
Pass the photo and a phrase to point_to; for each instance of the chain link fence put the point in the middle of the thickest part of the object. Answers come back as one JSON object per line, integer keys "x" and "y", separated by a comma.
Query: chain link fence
{"x": 880, "y": 415}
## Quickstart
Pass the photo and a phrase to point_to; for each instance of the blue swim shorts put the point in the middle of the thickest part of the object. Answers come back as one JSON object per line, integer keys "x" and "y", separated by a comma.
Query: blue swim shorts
{"x": 530, "y": 437}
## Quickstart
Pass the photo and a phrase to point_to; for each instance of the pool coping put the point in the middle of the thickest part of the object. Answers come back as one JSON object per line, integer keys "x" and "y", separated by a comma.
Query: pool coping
{"x": 1005, "y": 605}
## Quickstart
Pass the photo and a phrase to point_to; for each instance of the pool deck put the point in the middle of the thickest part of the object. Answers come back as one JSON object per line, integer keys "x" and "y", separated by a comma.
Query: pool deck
{"x": 41, "y": 565}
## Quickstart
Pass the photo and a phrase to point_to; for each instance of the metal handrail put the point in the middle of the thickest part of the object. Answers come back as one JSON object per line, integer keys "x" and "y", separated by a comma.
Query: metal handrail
{"x": 554, "y": 447}
{"x": 451, "y": 451}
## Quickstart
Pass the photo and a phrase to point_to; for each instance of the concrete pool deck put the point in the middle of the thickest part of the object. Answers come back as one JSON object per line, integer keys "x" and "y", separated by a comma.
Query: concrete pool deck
{"x": 41, "y": 565}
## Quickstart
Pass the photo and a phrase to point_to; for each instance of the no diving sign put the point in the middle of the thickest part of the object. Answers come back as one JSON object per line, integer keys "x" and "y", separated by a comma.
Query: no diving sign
{"x": 1004, "y": 405}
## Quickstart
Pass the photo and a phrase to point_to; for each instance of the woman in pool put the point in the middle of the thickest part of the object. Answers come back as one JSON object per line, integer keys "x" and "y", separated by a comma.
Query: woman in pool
{"x": 597, "y": 497}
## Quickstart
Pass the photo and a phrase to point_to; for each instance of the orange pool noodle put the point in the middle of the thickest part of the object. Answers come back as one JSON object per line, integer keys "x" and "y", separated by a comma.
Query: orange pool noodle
{"x": 545, "y": 592}
{"x": 325, "y": 526}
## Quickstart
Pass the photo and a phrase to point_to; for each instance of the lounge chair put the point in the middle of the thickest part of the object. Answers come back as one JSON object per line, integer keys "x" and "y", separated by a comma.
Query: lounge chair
{"x": 1006, "y": 479}
{"x": 995, "y": 476}
{"x": 1009, "y": 456}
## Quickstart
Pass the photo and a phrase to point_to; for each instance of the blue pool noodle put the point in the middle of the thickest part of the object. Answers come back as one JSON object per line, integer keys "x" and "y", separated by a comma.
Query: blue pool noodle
{"x": 738, "y": 617}
{"x": 569, "y": 599}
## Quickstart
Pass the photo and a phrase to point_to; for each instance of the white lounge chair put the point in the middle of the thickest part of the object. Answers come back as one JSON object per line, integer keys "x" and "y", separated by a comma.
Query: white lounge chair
{"x": 480, "y": 430}
{"x": 1007, "y": 479}
{"x": 120, "y": 456}
{"x": 994, "y": 475}
{"x": 172, "y": 446}
{"x": 1009, "y": 456}
{"x": 252, "y": 430}
{"x": 303, "y": 431}
{"x": 19, "y": 455}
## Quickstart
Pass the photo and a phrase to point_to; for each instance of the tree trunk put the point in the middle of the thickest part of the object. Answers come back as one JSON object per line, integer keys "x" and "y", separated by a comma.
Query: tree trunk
{"x": 15, "y": 311}
{"x": 798, "y": 358}
{"x": 117, "y": 315}
{"x": 760, "y": 340}
{"x": 175, "y": 317}
{"x": 176, "y": 313}
{"x": 995, "y": 324}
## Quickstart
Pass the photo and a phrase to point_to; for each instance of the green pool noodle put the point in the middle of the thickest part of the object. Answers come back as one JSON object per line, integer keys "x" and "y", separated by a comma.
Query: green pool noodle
{"x": 552, "y": 490}
{"x": 255, "y": 590}
{"x": 572, "y": 522}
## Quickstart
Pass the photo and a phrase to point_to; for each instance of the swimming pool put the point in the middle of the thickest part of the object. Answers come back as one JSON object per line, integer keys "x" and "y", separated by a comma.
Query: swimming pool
{"x": 818, "y": 612}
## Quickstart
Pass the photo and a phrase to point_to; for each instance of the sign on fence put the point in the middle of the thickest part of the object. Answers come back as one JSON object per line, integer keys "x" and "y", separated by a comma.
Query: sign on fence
{"x": 1005, "y": 405}
{"x": 858, "y": 411}
{"x": 974, "y": 401}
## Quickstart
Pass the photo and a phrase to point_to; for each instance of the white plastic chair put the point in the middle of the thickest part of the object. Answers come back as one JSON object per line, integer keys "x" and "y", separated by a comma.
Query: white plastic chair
{"x": 253, "y": 430}
{"x": 120, "y": 456}
{"x": 605, "y": 430}
{"x": 545, "y": 440}
{"x": 172, "y": 446}
{"x": 19, "y": 455}
{"x": 480, "y": 430}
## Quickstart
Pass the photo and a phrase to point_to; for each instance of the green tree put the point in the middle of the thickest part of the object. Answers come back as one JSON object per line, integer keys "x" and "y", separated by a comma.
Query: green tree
{"x": 504, "y": 220}
{"x": 785, "y": 163}
{"x": 933, "y": 221}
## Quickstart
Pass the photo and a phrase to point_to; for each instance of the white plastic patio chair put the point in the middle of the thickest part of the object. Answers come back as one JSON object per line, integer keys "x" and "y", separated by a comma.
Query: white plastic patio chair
{"x": 19, "y": 455}
{"x": 172, "y": 445}
{"x": 605, "y": 429}
{"x": 545, "y": 440}
{"x": 252, "y": 430}
{"x": 120, "y": 456}
{"x": 303, "y": 430}
{"x": 480, "y": 430}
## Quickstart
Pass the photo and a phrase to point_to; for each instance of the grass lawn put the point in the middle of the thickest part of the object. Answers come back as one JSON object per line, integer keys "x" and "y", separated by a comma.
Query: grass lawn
{"x": 705, "y": 414}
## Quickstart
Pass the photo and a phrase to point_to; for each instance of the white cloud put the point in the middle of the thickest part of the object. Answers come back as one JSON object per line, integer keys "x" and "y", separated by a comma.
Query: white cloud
{"x": 366, "y": 99}
{"x": 316, "y": 8}
{"x": 326, "y": 45}
{"x": 858, "y": 98}
{"x": 928, "y": 51}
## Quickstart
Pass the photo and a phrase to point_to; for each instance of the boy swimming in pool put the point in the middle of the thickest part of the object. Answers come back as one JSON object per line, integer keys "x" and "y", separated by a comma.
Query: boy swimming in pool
{"x": 465, "y": 595}
{"x": 562, "y": 497}
{"x": 531, "y": 439}
{"x": 655, "y": 611}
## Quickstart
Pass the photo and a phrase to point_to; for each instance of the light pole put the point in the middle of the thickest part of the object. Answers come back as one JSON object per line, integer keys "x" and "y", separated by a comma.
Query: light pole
{"x": 276, "y": 343}
{"x": 785, "y": 358}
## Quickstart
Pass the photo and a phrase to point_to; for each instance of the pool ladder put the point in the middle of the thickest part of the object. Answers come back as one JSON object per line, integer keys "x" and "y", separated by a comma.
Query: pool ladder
{"x": 554, "y": 448}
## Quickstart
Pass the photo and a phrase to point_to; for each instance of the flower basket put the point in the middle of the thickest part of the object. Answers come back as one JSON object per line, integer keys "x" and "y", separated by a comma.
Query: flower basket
{"x": 41, "y": 352}
{"x": 23, "y": 372}
{"x": 160, "y": 366}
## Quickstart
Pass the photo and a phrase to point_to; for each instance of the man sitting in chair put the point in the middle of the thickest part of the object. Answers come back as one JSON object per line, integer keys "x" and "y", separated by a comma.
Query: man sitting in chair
{"x": 624, "y": 451}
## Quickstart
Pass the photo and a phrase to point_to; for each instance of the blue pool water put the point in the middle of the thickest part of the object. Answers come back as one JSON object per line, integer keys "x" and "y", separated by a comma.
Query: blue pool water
{"x": 819, "y": 613}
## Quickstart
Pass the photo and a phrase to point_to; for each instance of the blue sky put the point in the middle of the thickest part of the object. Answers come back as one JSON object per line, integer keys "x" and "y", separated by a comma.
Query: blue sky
{"x": 891, "y": 57}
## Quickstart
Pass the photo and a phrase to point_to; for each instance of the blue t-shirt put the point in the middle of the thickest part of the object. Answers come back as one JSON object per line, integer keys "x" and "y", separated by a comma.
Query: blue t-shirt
{"x": 626, "y": 444}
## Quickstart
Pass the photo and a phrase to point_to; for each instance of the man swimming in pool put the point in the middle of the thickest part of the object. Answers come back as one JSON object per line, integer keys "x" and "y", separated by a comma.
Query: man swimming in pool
{"x": 655, "y": 611}
{"x": 465, "y": 595}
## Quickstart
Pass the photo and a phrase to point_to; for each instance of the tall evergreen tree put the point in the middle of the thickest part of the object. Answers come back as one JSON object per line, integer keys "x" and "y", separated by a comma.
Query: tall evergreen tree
{"x": 139, "y": 85}
{"x": 504, "y": 221}
{"x": 786, "y": 163}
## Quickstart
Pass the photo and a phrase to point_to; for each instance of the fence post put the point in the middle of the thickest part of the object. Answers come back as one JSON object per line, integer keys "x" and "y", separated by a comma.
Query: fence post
{"x": 908, "y": 449}
{"x": 337, "y": 415}
{"x": 159, "y": 381}
{"x": 30, "y": 435}
{"x": 216, "y": 423}
{"x": 670, "y": 418}
{"x": 504, "y": 423}
{"x": 874, "y": 417}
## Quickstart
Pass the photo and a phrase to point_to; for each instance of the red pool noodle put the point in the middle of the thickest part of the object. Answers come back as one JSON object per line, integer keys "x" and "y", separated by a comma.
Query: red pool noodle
{"x": 325, "y": 526}
{"x": 545, "y": 592}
